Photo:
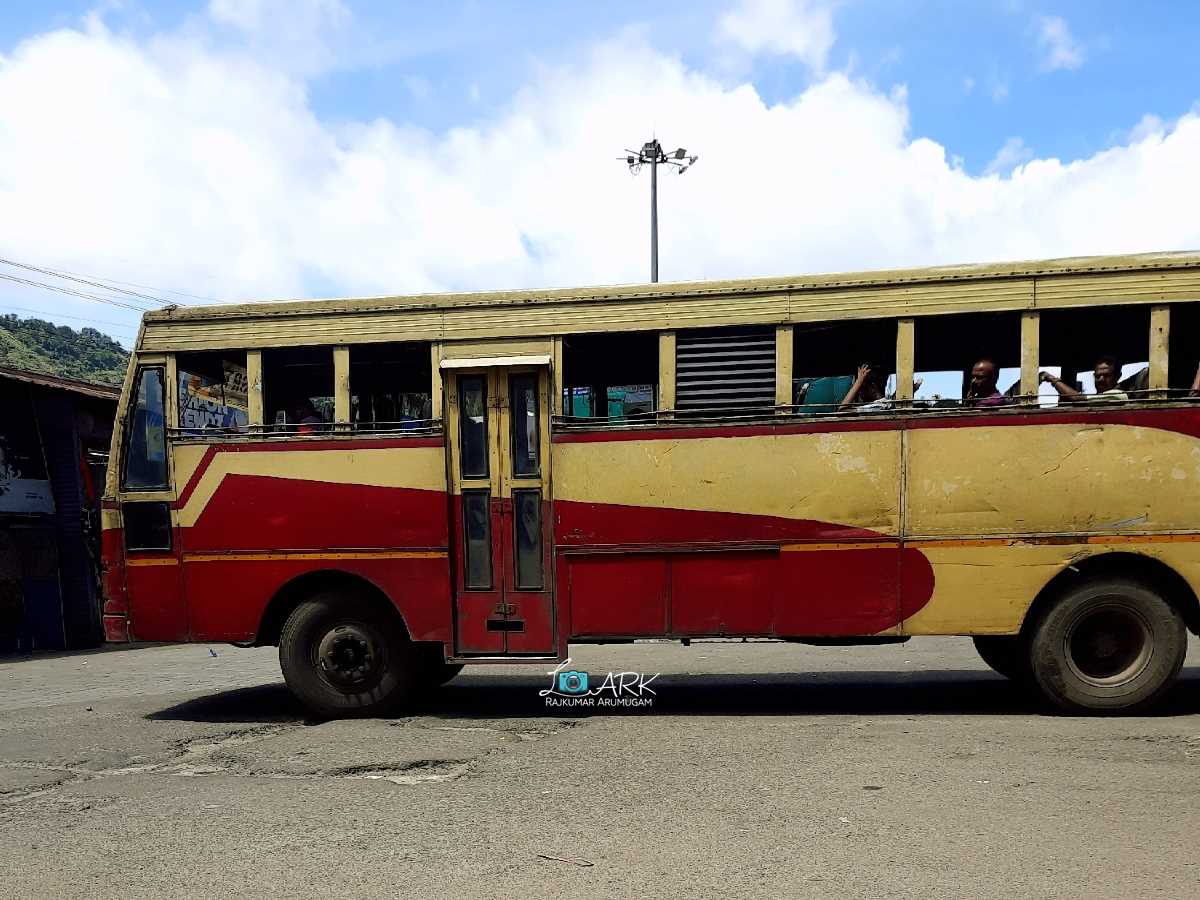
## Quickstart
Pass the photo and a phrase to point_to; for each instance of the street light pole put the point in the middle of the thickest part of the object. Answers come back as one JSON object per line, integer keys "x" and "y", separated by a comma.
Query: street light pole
{"x": 654, "y": 219}
{"x": 652, "y": 155}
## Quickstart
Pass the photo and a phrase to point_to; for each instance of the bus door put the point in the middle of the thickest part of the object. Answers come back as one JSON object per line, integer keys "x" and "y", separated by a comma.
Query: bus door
{"x": 498, "y": 423}
{"x": 153, "y": 584}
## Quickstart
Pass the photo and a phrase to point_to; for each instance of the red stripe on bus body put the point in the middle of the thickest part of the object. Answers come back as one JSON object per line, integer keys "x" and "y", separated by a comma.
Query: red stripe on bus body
{"x": 264, "y": 512}
{"x": 867, "y": 589}
{"x": 582, "y": 524}
{"x": 271, "y": 446}
{"x": 1181, "y": 421}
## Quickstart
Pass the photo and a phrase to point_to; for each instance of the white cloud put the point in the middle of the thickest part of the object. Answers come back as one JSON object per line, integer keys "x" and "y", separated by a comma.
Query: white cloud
{"x": 799, "y": 28}
{"x": 1149, "y": 126}
{"x": 1008, "y": 157}
{"x": 1058, "y": 47}
{"x": 169, "y": 162}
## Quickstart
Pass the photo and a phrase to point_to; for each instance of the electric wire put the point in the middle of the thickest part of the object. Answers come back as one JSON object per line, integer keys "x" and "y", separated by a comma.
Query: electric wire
{"x": 70, "y": 292}
{"x": 98, "y": 284}
{"x": 151, "y": 287}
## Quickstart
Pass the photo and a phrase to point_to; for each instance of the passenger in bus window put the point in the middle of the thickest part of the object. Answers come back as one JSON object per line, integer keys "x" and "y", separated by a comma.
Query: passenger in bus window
{"x": 983, "y": 390}
{"x": 867, "y": 392}
{"x": 1106, "y": 373}
{"x": 306, "y": 418}
{"x": 1195, "y": 391}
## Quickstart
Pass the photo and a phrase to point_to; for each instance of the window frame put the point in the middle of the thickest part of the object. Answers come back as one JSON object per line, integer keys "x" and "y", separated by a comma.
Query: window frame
{"x": 178, "y": 431}
{"x": 127, "y": 429}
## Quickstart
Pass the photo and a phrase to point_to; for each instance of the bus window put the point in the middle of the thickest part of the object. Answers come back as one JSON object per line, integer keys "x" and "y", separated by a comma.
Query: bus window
{"x": 610, "y": 375}
{"x": 298, "y": 389}
{"x": 473, "y": 424}
{"x": 947, "y": 348}
{"x": 525, "y": 442}
{"x": 390, "y": 386}
{"x": 1183, "y": 352}
{"x": 1074, "y": 340}
{"x": 212, "y": 392}
{"x": 826, "y": 358}
{"x": 145, "y": 436}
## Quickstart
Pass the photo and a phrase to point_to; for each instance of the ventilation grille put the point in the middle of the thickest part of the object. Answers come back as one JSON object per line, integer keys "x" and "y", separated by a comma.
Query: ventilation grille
{"x": 725, "y": 368}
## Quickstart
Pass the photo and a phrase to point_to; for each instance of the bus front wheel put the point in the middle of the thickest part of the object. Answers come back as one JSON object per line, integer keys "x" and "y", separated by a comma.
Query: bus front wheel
{"x": 341, "y": 656}
{"x": 1107, "y": 645}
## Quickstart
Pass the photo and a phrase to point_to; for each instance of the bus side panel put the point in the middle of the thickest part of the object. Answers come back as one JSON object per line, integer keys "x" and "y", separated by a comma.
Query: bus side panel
{"x": 771, "y": 531}
{"x": 615, "y": 595}
{"x": 1002, "y": 504}
{"x": 254, "y": 516}
{"x": 235, "y": 594}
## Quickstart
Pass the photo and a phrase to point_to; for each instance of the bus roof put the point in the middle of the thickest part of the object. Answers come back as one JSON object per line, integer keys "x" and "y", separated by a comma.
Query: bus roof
{"x": 1041, "y": 284}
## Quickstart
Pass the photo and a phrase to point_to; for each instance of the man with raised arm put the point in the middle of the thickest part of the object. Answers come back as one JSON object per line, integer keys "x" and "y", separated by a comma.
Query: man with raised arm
{"x": 867, "y": 392}
{"x": 1107, "y": 373}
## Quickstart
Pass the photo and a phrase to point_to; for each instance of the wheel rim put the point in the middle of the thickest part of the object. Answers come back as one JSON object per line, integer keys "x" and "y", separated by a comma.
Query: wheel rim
{"x": 1108, "y": 645}
{"x": 350, "y": 657}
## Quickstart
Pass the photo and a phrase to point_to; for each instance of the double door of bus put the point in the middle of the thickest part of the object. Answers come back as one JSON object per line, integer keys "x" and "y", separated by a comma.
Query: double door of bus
{"x": 498, "y": 429}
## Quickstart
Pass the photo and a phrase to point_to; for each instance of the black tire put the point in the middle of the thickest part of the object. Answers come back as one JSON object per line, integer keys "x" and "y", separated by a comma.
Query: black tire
{"x": 1006, "y": 654}
{"x": 342, "y": 656}
{"x": 1107, "y": 645}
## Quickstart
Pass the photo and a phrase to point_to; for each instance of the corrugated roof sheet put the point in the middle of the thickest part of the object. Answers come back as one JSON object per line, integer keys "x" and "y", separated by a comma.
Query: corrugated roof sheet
{"x": 75, "y": 386}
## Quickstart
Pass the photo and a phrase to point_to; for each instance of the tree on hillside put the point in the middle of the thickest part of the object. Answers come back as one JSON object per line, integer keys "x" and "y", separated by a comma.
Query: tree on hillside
{"x": 42, "y": 346}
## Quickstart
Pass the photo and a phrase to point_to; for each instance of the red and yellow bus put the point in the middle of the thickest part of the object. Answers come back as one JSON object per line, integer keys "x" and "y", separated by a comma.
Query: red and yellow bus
{"x": 390, "y": 488}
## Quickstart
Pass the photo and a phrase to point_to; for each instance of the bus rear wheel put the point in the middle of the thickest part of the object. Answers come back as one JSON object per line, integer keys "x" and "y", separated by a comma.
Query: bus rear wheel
{"x": 341, "y": 657}
{"x": 1107, "y": 645}
{"x": 1006, "y": 654}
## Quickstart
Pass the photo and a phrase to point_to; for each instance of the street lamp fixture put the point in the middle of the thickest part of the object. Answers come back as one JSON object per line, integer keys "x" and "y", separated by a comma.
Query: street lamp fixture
{"x": 652, "y": 154}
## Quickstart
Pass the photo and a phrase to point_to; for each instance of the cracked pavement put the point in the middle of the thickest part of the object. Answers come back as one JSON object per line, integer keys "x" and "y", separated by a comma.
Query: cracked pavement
{"x": 766, "y": 770}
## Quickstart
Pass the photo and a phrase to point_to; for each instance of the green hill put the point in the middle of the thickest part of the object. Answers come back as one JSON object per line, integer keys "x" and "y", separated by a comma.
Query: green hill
{"x": 58, "y": 350}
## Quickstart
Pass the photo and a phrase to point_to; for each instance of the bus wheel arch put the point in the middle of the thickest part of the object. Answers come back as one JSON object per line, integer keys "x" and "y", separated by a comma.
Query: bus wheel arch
{"x": 312, "y": 584}
{"x": 1110, "y": 635}
{"x": 1154, "y": 573}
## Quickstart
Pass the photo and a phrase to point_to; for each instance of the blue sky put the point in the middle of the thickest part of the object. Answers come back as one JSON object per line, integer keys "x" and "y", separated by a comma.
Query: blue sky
{"x": 261, "y": 148}
{"x": 972, "y": 70}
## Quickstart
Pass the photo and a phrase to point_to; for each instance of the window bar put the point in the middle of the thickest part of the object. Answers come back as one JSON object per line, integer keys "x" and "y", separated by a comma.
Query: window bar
{"x": 905, "y": 362}
{"x": 666, "y": 374}
{"x": 254, "y": 390}
{"x": 783, "y": 369}
{"x": 1030, "y": 350}
{"x": 1160, "y": 338}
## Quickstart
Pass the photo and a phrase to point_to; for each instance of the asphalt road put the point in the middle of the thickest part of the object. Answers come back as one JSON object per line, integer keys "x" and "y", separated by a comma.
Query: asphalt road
{"x": 765, "y": 770}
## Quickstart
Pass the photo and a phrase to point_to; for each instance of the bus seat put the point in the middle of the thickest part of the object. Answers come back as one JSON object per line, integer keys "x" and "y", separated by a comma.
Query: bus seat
{"x": 823, "y": 394}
